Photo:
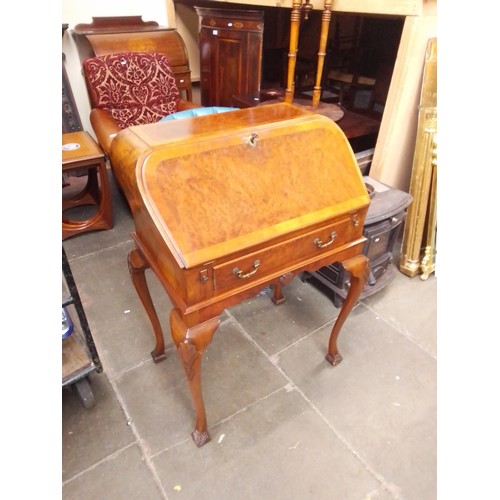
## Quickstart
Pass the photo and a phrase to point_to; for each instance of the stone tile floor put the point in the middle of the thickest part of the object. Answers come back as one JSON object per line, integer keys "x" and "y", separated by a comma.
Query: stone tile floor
{"x": 284, "y": 423}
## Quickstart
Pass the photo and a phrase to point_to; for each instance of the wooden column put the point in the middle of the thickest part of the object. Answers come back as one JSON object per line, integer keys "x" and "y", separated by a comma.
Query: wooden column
{"x": 292, "y": 52}
{"x": 325, "y": 24}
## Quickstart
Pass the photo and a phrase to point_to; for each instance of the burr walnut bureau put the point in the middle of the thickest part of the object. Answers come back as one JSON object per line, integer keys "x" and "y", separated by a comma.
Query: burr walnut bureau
{"x": 227, "y": 204}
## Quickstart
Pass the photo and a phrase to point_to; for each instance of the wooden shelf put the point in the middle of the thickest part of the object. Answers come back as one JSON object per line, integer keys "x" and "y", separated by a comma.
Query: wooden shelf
{"x": 76, "y": 362}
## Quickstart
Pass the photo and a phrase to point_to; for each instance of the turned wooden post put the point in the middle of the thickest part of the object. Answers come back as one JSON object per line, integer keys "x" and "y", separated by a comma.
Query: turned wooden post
{"x": 292, "y": 52}
{"x": 325, "y": 24}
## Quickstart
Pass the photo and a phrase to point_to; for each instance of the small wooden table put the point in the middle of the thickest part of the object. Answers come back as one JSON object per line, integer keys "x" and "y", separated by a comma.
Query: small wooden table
{"x": 80, "y": 151}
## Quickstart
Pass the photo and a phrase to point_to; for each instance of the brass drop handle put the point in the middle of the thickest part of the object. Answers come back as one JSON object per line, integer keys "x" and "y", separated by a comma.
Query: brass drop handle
{"x": 238, "y": 272}
{"x": 320, "y": 244}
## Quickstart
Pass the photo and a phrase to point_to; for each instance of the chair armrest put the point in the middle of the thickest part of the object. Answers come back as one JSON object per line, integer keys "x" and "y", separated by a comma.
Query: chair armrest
{"x": 105, "y": 128}
{"x": 183, "y": 104}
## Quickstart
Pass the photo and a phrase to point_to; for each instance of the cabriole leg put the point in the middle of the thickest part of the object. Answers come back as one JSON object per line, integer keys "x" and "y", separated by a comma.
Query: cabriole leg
{"x": 191, "y": 343}
{"x": 359, "y": 268}
{"x": 137, "y": 267}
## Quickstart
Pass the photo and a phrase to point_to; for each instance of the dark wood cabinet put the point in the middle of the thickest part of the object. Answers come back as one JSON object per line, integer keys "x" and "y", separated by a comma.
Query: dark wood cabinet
{"x": 230, "y": 44}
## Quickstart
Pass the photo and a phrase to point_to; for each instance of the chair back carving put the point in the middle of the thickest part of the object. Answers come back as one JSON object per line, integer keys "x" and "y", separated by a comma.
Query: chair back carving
{"x": 135, "y": 87}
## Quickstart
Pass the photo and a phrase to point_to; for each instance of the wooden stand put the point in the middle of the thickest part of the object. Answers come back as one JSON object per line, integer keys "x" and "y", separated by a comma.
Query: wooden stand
{"x": 79, "y": 354}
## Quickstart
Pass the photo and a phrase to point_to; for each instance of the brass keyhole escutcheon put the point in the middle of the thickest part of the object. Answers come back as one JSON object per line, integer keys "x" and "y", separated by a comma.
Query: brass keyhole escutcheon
{"x": 252, "y": 140}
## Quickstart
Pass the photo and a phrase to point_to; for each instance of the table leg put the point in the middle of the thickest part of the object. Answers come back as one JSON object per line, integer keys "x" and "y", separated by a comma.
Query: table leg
{"x": 191, "y": 343}
{"x": 277, "y": 297}
{"x": 283, "y": 280}
{"x": 104, "y": 197}
{"x": 137, "y": 267}
{"x": 359, "y": 267}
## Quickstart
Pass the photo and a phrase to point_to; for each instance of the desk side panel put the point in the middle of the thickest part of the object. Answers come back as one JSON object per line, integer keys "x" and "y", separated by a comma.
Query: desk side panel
{"x": 184, "y": 286}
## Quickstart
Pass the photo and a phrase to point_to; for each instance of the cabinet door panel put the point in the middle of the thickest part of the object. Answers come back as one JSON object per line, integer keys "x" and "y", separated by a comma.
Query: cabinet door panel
{"x": 229, "y": 68}
{"x": 230, "y": 54}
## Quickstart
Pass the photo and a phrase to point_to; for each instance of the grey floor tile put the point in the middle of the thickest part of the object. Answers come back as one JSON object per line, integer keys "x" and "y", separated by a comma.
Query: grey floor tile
{"x": 275, "y": 327}
{"x": 381, "y": 398}
{"x": 278, "y": 448}
{"x": 90, "y": 435}
{"x": 122, "y": 476}
{"x": 410, "y": 305}
{"x": 235, "y": 374}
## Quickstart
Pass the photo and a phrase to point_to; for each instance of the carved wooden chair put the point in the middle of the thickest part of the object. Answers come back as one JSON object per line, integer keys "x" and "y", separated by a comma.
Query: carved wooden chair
{"x": 130, "y": 88}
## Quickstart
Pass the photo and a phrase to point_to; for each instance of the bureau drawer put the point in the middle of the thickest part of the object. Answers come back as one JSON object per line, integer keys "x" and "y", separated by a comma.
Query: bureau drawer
{"x": 280, "y": 256}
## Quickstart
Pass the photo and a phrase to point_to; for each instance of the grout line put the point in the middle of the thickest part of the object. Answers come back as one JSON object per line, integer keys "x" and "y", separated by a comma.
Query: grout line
{"x": 97, "y": 252}
{"x": 305, "y": 337}
{"x": 142, "y": 447}
{"x": 146, "y": 457}
{"x": 229, "y": 319}
{"x": 402, "y": 331}
{"x": 145, "y": 361}
{"x": 104, "y": 460}
{"x": 388, "y": 487}
{"x": 225, "y": 419}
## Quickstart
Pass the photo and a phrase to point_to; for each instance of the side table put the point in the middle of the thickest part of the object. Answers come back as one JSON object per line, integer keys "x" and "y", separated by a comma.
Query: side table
{"x": 80, "y": 151}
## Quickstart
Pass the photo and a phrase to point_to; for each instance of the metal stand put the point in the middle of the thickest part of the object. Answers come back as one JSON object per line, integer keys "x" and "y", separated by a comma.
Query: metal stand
{"x": 80, "y": 357}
